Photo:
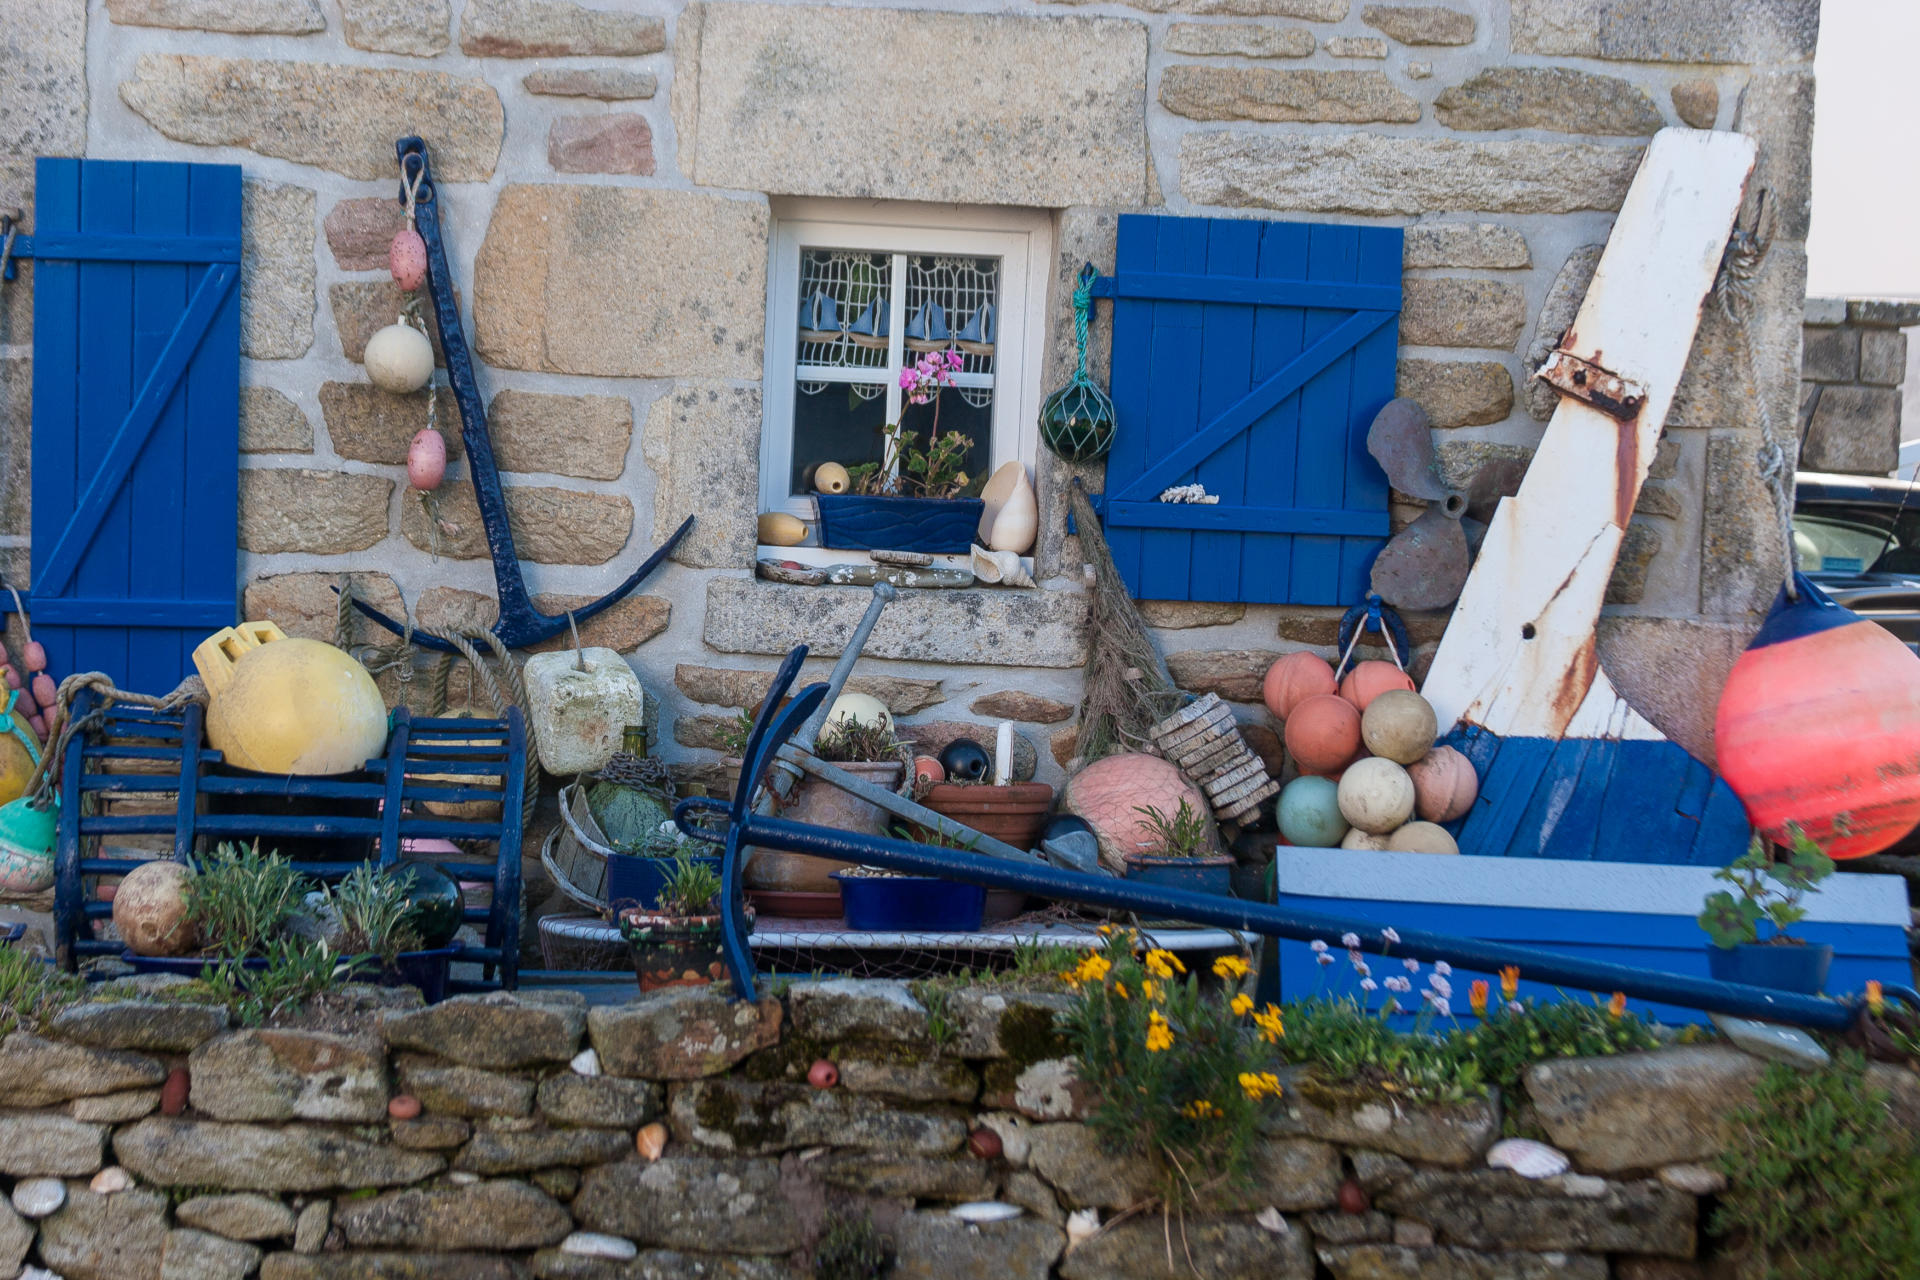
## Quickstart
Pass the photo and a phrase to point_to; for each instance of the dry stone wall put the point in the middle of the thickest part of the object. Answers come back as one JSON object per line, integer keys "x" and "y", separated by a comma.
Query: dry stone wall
{"x": 501, "y": 1137}
{"x": 614, "y": 171}
{"x": 1855, "y": 360}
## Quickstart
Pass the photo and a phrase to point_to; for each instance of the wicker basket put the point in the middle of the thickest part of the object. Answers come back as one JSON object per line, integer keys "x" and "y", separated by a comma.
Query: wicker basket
{"x": 575, "y": 852}
{"x": 582, "y": 943}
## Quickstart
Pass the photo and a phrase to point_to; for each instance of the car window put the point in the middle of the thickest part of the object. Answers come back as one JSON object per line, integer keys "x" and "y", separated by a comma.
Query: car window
{"x": 1856, "y": 538}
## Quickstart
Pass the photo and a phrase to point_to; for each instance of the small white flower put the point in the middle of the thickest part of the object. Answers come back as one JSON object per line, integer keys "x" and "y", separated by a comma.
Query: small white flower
{"x": 1514, "y": 1006}
{"x": 1442, "y": 968}
{"x": 1440, "y": 986}
{"x": 1323, "y": 958}
{"x": 1390, "y": 935}
{"x": 1411, "y": 965}
{"x": 1361, "y": 967}
{"x": 1368, "y": 984}
{"x": 1442, "y": 1008}
{"x": 1317, "y": 946}
{"x": 1350, "y": 940}
{"x": 1399, "y": 984}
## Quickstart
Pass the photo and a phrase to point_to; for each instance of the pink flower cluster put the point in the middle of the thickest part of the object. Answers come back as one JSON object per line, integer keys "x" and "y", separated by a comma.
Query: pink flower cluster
{"x": 923, "y": 379}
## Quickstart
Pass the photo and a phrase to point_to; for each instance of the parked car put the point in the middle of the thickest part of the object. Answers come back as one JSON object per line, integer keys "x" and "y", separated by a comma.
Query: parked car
{"x": 1858, "y": 537}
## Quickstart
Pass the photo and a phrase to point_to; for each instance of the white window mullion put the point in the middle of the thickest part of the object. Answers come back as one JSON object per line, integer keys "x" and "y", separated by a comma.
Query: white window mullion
{"x": 896, "y": 336}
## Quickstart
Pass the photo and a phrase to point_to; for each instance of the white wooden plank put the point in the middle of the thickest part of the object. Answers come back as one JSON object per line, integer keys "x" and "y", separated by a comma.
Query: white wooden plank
{"x": 1519, "y": 654}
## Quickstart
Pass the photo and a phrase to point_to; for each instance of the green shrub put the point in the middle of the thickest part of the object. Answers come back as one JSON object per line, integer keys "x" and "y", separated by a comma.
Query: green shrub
{"x": 239, "y": 899}
{"x": 372, "y": 909}
{"x": 295, "y": 971}
{"x": 1183, "y": 1078}
{"x": 1822, "y": 1184}
{"x": 32, "y": 991}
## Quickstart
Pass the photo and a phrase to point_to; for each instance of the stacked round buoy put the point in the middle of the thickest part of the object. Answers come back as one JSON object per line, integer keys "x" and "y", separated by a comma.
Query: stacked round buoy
{"x": 1370, "y": 774}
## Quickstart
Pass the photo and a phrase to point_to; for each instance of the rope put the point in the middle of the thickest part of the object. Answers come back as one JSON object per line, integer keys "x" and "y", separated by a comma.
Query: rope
{"x": 1733, "y": 291}
{"x": 1082, "y": 306}
{"x": 46, "y": 774}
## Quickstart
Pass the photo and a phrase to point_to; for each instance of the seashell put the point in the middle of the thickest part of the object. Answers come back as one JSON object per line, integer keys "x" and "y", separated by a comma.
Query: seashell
{"x": 461, "y": 1178}
{"x": 1002, "y": 567}
{"x": 585, "y": 1063}
{"x": 778, "y": 529}
{"x": 1082, "y": 1225}
{"x": 403, "y": 1106}
{"x": 109, "y": 1180}
{"x": 986, "y": 1211}
{"x": 1527, "y": 1158}
{"x": 593, "y": 1244}
{"x": 1011, "y": 515}
{"x": 427, "y": 459}
{"x": 407, "y": 259}
{"x": 831, "y": 477}
{"x": 651, "y": 1140}
{"x": 398, "y": 359}
{"x": 1271, "y": 1219}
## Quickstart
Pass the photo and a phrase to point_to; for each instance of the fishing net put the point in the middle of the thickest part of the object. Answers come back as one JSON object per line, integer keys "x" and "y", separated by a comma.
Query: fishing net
{"x": 1127, "y": 688}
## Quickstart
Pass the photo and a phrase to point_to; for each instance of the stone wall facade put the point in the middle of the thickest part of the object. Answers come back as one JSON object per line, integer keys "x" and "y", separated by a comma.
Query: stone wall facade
{"x": 474, "y": 1140}
{"x": 612, "y": 175}
{"x": 1854, "y": 362}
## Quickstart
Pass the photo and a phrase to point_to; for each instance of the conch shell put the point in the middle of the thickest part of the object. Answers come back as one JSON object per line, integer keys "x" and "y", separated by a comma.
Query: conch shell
{"x": 1002, "y": 567}
{"x": 1010, "y": 516}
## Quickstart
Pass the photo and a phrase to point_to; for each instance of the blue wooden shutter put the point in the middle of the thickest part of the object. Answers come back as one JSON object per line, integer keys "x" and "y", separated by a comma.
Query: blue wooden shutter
{"x": 136, "y": 403}
{"x": 1250, "y": 357}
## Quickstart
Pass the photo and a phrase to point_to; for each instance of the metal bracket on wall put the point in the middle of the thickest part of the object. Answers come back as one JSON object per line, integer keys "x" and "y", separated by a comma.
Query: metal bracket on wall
{"x": 519, "y": 624}
{"x": 1592, "y": 384}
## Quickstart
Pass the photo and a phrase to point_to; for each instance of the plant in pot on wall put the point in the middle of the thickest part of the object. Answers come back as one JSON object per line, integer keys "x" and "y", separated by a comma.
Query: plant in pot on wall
{"x": 912, "y": 500}
{"x": 857, "y": 739}
{"x": 975, "y": 789}
{"x": 1179, "y": 852}
{"x": 880, "y": 901}
{"x": 677, "y": 942}
{"x": 1769, "y": 886}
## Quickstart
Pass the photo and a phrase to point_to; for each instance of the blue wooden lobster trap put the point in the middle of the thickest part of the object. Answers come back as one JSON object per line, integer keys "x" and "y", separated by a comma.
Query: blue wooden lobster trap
{"x": 139, "y": 772}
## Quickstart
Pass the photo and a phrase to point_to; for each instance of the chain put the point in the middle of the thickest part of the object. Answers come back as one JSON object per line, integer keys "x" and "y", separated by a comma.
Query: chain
{"x": 1733, "y": 290}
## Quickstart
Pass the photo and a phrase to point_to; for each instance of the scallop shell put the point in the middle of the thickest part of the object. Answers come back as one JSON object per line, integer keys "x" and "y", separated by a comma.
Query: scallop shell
{"x": 1527, "y": 1158}
{"x": 986, "y": 1211}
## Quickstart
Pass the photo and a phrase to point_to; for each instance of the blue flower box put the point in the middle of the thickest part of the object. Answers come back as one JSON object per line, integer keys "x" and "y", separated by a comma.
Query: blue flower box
{"x": 939, "y": 526}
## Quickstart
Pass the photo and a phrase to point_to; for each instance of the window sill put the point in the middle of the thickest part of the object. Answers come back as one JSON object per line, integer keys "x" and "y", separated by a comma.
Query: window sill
{"x": 822, "y": 556}
{"x": 966, "y": 626}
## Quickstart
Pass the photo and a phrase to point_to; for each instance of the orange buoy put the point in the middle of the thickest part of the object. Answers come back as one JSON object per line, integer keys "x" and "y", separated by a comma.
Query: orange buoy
{"x": 1323, "y": 734}
{"x": 1368, "y": 680}
{"x": 1819, "y": 726}
{"x": 1295, "y": 677}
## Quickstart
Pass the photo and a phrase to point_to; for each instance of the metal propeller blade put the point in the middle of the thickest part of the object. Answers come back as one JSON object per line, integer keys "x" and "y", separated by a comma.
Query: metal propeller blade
{"x": 1401, "y": 441}
{"x": 1425, "y": 565}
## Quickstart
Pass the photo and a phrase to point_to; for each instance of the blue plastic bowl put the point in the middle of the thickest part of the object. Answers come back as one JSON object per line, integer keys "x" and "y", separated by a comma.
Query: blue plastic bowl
{"x": 641, "y": 879}
{"x": 910, "y": 904}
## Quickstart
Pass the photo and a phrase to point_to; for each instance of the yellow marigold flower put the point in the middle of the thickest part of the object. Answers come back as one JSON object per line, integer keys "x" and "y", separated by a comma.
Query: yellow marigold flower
{"x": 1094, "y": 968}
{"x": 1161, "y": 964}
{"x": 1241, "y": 1004}
{"x": 1510, "y": 982}
{"x": 1230, "y": 967}
{"x": 1200, "y": 1109}
{"x": 1477, "y": 997}
{"x": 1618, "y": 1005}
{"x": 1876, "y": 1000}
{"x": 1120, "y": 989}
{"x": 1271, "y": 1027}
{"x": 1159, "y": 1033}
{"x": 1258, "y": 1085}
{"x": 1150, "y": 989}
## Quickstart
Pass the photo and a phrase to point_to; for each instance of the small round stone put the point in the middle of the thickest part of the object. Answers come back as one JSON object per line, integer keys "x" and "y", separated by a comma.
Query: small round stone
{"x": 461, "y": 1178}
{"x": 403, "y": 1106}
{"x": 38, "y": 1197}
{"x": 592, "y": 1244}
{"x": 585, "y": 1063}
{"x": 110, "y": 1179}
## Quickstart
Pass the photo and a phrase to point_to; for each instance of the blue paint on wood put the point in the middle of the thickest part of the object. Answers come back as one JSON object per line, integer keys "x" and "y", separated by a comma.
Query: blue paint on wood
{"x": 135, "y": 414}
{"x": 1250, "y": 357}
{"x": 1598, "y": 799}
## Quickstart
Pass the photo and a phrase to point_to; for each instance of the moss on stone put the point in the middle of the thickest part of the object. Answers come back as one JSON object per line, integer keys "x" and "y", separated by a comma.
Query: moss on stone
{"x": 719, "y": 1111}
{"x": 1029, "y": 1034}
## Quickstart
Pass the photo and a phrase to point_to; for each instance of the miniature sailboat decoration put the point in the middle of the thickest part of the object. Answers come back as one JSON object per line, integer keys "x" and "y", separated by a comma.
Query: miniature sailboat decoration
{"x": 1568, "y": 769}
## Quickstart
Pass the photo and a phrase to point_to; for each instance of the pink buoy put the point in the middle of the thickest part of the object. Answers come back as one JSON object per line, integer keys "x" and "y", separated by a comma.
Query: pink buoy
{"x": 44, "y": 691}
{"x": 12, "y": 678}
{"x": 39, "y": 725}
{"x": 35, "y": 656}
{"x": 427, "y": 459}
{"x": 407, "y": 259}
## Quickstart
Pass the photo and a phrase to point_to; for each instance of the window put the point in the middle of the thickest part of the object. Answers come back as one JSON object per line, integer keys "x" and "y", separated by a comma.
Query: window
{"x": 859, "y": 291}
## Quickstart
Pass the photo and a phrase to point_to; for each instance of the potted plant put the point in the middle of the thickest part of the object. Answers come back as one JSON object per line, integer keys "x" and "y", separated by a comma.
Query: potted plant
{"x": 397, "y": 922}
{"x": 1178, "y": 852}
{"x": 867, "y": 750}
{"x": 677, "y": 943}
{"x": 877, "y": 901}
{"x": 910, "y": 501}
{"x": 1770, "y": 888}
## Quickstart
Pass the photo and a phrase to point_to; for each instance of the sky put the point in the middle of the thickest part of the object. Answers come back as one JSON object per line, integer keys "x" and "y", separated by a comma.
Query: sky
{"x": 1865, "y": 238}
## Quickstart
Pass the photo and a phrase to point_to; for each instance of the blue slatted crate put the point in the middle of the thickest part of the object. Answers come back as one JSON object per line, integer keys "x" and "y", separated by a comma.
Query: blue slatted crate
{"x": 1624, "y": 913}
{"x": 159, "y": 756}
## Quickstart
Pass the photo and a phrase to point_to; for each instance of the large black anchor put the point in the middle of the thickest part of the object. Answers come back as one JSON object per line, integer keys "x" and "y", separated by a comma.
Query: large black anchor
{"x": 519, "y": 624}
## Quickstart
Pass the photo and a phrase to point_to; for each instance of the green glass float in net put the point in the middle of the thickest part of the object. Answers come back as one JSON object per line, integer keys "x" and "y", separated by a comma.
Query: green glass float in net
{"x": 1077, "y": 420}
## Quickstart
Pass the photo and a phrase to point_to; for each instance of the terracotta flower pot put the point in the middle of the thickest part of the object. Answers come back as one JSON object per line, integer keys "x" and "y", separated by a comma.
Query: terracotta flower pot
{"x": 674, "y": 951}
{"x": 1014, "y": 813}
{"x": 823, "y": 805}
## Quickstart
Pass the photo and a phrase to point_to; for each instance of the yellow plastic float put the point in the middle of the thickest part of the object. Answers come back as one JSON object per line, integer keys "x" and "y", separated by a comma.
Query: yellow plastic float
{"x": 285, "y": 705}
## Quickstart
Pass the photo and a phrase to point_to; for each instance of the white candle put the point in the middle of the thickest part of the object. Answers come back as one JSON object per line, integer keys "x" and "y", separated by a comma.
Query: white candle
{"x": 1003, "y": 754}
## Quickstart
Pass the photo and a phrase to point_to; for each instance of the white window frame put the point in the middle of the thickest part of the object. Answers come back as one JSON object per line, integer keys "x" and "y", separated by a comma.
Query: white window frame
{"x": 1023, "y": 241}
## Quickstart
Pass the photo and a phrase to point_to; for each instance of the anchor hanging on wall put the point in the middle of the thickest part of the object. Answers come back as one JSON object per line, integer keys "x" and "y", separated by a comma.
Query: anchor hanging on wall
{"x": 519, "y": 623}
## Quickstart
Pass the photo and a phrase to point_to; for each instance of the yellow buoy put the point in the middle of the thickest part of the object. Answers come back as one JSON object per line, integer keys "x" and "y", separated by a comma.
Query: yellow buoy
{"x": 288, "y": 705}
{"x": 19, "y": 750}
